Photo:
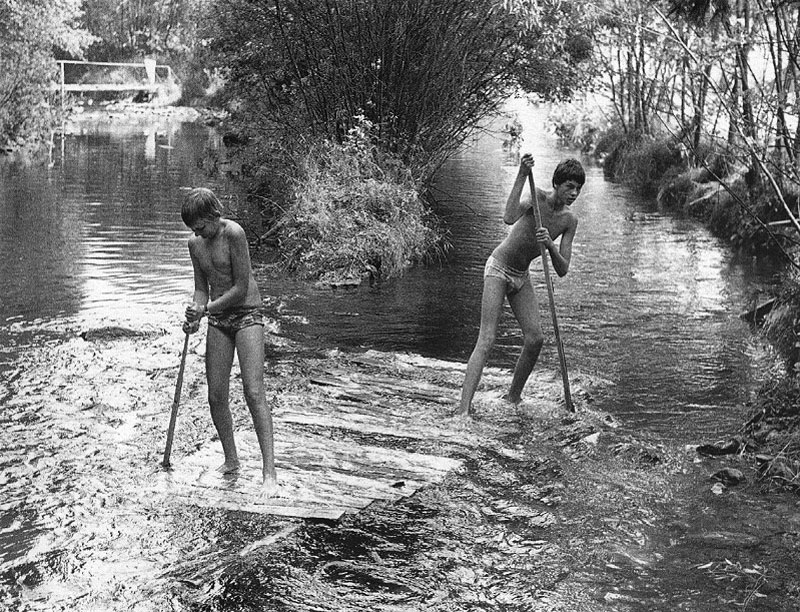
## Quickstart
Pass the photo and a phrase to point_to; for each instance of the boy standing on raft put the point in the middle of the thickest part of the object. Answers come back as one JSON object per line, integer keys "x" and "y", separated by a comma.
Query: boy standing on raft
{"x": 226, "y": 290}
{"x": 506, "y": 272}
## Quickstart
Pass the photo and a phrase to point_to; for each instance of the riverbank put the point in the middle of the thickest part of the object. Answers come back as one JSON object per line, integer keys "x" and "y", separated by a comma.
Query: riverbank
{"x": 547, "y": 511}
{"x": 127, "y": 111}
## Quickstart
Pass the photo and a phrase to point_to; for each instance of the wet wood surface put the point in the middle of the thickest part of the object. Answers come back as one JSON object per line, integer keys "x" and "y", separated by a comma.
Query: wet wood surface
{"x": 322, "y": 473}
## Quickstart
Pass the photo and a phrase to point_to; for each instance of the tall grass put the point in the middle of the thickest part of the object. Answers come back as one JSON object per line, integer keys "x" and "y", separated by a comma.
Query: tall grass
{"x": 355, "y": 213}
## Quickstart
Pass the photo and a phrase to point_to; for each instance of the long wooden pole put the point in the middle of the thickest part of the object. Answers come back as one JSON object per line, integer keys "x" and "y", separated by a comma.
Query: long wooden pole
{"x": 537, "y": 215}
{"x": 176, "y": 400}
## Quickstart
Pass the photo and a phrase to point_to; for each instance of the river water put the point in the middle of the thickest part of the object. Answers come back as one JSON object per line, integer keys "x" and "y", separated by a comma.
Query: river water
{"x": 92, "y": 232}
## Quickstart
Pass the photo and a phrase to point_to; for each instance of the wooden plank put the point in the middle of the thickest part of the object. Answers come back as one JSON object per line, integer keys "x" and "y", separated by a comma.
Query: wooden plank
{"x": 318, "y": 477}
{"x": 368, "y": 424}
{"x": 368, "y": 388}
{"x": 310, "y": 512}
{"x": 333, "y": 468}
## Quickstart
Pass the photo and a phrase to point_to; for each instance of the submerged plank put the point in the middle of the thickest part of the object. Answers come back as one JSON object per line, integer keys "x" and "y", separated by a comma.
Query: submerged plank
{"x": 329, "y": 513}
{"x": 318, "y": 477}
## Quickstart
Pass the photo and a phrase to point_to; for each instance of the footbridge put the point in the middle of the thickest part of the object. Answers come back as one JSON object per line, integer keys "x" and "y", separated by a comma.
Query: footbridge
{"x": 152, "y": 74}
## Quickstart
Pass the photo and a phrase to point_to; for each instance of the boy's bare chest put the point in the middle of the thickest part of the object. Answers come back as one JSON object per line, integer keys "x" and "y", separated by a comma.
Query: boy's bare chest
{"x": 214, "y": 256}
{"x": 556, "y": 222}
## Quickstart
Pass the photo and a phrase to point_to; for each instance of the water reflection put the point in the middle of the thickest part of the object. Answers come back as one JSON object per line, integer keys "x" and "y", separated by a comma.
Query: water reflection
{"x": 97, "y": 232}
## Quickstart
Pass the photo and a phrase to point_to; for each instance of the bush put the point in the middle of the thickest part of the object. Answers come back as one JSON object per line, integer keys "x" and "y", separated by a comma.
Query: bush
{"x": 428, "y": 74}
{"x": 676, "y": 191}
{"x": 782, "y": 324}
{"x": 31, "y": 32}
{"x": 643, "y": 161}
{"x": 25, "y": 103}
{"x": 355, "y": 212}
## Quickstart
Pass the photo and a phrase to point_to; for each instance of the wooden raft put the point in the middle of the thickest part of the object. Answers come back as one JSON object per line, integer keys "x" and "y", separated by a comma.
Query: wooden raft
{"x": 326, "y": 463}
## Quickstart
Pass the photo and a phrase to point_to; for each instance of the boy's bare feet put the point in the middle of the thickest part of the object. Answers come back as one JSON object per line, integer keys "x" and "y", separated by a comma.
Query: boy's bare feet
{"x": 462, "y": 420}
{"x": 229, "y": 467}
{"x": 270, "y": 487}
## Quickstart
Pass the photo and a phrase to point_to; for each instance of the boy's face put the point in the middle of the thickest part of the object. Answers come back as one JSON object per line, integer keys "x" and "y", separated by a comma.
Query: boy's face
{"x": 568, "y": 191}
{"x": 204, "y": 228}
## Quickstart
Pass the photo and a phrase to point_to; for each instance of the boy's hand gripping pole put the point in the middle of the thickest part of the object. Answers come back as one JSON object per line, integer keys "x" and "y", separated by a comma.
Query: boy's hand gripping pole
{"x": 537, "y": 215}
{"x": 175, "y": 403}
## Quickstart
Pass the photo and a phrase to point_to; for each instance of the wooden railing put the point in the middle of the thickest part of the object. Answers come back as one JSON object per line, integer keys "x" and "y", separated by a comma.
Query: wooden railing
{"x": 150, "y": 84}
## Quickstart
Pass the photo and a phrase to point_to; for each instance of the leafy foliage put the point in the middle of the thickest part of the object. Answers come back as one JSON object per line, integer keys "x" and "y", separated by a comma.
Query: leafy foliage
{"x": 355, "y": 211}
{"x": 425, "y": 73}
{"x": 125, "y": 29}
{"x": 31, "y": 31}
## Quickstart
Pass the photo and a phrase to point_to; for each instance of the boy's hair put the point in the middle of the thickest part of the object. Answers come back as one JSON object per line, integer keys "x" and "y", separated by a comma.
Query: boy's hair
{"x": 569, "y": 170}
{"x": 200, "y": 203}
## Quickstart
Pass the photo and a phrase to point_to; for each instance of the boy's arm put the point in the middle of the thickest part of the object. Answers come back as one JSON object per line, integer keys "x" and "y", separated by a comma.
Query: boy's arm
{"x": 200, "y": 282}
{"x": 562, "y": 256}
{"x": 514, "y": 207}
{"x": 240, "y": 271}
{"x": 196, "y": 310}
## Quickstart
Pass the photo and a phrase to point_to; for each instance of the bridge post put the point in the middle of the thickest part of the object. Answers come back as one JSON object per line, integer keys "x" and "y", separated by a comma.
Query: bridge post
{"x": 150, "y": 67}
{"x": 63, "y": 103}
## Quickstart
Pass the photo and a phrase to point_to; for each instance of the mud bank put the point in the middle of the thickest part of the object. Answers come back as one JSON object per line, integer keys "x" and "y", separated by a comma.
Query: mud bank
{"x": 545, "y": 511}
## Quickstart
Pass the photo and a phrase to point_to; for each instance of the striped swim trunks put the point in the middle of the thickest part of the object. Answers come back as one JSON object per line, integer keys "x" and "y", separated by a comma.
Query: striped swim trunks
{"x": 231, "y": 321}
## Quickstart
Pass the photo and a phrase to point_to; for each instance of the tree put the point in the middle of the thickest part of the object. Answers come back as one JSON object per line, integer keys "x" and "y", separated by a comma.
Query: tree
{"x": 126, "y": 28}
{"x": 426, "y": 73}
{"x": 31, "y": 32}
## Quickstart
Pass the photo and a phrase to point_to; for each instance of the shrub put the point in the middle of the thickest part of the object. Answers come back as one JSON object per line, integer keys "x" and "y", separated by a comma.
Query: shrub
{"x": 642, "y": 162}
{"x": 355, "y": 212}
{"x": 31, "y": 32}
{"x": 780, "y": 325}
{"x": 427, "y": 74}
{"x": 676, "y": 190}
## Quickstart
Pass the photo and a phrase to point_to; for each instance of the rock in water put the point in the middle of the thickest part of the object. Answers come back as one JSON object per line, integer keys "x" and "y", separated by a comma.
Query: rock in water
{"x": 731, "y": 447}
{"x": 110, "y": 333}
{"x": 730, "y": 477}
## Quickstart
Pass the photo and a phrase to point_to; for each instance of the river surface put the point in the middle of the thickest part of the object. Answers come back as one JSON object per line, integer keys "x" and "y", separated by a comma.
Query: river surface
{"x": 92, "y": 232}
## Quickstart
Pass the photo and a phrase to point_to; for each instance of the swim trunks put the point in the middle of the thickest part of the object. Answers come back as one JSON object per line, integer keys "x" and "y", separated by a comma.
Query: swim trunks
{"x": 231, "y": 321}
{"x": 514, "y": 278}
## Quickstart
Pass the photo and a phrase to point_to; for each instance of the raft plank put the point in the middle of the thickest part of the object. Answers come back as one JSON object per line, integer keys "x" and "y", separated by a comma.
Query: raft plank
{"x": 366, "y": 386}
{"x": 319, "y": 477}
{"x": 315, "y": 512}
{"x": 334, "y": 467}
{"x": 370, "y": 424}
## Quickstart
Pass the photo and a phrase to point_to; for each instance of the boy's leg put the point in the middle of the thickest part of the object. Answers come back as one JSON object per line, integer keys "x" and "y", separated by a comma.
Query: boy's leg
{"x": 494, "y": 292}
{"x": 250, "y": 348}
{"x": 219, "y": 359}
{"x": 525, "y": 307}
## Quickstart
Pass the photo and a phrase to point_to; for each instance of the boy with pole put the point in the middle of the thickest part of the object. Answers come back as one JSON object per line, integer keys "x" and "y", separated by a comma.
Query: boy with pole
{"x": 225, "y": 290}
{"x": 506, "y": 272}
